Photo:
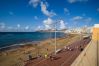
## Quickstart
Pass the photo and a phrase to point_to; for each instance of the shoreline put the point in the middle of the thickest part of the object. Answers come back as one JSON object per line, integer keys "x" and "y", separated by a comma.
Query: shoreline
{"x": 35, "y": 49}
{"x": 24, "y": 43}
{"x": 10, "y": 47}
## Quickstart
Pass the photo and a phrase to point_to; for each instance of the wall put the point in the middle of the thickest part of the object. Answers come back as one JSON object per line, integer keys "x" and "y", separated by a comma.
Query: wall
{"x": 95, "y": 35}
{"x": 88, "y": 57}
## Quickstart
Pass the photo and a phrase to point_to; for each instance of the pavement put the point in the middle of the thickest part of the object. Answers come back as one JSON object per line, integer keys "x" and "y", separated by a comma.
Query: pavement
{"x": 65, "y": 57}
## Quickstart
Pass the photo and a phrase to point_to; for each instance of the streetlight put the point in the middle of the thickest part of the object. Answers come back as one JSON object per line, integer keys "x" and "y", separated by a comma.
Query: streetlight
{"x": 55, "y": 25}
{"x": 55, "y": 39}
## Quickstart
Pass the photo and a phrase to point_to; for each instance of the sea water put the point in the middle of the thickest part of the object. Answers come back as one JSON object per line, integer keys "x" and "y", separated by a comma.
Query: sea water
{"x": 11, "y": 38}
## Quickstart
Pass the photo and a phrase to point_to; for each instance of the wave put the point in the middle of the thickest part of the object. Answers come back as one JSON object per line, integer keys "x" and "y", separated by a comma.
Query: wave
{"x": 14, "y": 46}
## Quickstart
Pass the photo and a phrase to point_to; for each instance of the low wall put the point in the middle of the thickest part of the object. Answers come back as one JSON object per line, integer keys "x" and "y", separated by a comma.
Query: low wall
{"x": 88, "y": 57}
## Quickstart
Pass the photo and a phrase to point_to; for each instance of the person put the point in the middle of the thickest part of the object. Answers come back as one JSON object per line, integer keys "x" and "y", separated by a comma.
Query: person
{"x": 51, "y": 58}
{"x": 46, "y": 55}
{"x": 47, "y": 49}
{"x": 81, "y": 49}
{"x": 65, "y": 47}
{"x": 30, "y": 57}
{"x": 39, "y": 56}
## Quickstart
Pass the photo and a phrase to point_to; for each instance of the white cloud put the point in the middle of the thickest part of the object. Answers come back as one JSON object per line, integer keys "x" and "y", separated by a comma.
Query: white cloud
{"x": 83, "y": 14}
{"x": 18, "y": 25}
{"x": 88, "y": 19}
{"x": 2, "y": 25}
{"x": 74, "y": 1}
{"x": 48, "y": 23}
{"x": 27, "y": 27}
{"x": 10, "y": 27}
{"x": 76, "y": 18}
{"x": 98, "y": 9}
{"x": 45, "y": 11}
{"x": 81, "y": 19}
{"x": 11, "y": 13}
{"x": 39, "y": 28}
{"x": 44, "y": 7}
{"x": 35, "y": 17}
{"x": 34, "y": 3}
{"x": 71, "y": 1}
{"x": 66, "y": 11}
{"x": 62, "y": 24}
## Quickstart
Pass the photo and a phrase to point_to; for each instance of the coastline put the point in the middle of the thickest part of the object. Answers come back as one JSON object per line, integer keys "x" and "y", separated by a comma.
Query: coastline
{"x": 8, "y": 39}
{"x": 17, "y": 45}
{"x": 34, "y": 49}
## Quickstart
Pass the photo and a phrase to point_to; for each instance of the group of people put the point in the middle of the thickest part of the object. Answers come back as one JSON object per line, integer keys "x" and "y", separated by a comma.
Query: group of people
{"x": 68, "y": 48}
{"x": 72, "y": 48}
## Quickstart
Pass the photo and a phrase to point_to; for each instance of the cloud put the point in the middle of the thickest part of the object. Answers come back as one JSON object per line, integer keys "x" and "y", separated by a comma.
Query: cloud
{"x": 27, "y": 27}
{"x": 44, "y": 7}
{"x": 18, "y": 25}
{"x": 45, "y": 11}
{"x": 81, "y": 19}
{"x": 83, "y": 14}
{"x": 98, "y": 9}
{"x": 74, "y": 1}
{"x": 34, "y": 3}
{"x": 48, "y": 23}
{"x": 11, "y": 13}
{"x": 10, "y": 28}
{"x": 71, "y": 1}
{"x": 66, "y": 11}
{"x": 77, "y": 18}
{"x": 88, "y": 19}
{"x": 62, "y": 24}
{"x": 39, "y": 28}
{"x": 2, "y": 25}
{"x": 35, "y": 17}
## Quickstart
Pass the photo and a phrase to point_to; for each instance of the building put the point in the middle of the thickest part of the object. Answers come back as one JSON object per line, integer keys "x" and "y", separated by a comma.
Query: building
{"x": 95, "y": 35}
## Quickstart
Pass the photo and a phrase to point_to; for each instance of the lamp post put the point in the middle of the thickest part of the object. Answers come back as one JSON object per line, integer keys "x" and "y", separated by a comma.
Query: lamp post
{"x": 55, "y": 25}
{"x": 55, "y": 39}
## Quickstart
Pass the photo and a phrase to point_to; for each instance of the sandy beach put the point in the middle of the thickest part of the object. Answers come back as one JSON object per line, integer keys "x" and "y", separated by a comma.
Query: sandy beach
{"x": 19, "y": 56}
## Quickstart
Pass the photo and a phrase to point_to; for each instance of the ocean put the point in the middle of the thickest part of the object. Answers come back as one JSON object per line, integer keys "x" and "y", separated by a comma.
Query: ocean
{"x": 11, "y": 38}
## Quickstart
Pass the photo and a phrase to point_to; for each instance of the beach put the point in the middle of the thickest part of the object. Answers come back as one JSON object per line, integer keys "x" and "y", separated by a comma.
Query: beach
{"x": 19, "y": 56}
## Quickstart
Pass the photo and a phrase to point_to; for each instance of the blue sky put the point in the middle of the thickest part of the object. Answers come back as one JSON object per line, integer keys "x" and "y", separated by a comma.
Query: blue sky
{"x": 29, "y": 15}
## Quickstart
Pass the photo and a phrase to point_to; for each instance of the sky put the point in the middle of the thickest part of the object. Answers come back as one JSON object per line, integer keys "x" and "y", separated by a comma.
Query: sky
{"x": 31, "y": 15}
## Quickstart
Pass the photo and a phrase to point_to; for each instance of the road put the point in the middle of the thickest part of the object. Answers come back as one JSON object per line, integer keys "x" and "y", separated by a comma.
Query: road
{"x": 64, "y": 58}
